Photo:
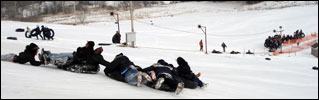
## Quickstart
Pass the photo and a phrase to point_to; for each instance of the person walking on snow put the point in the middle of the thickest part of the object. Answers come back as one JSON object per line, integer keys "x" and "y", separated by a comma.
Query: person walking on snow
{"x": 224, "y": 46}
{"x": 201, "y": 45}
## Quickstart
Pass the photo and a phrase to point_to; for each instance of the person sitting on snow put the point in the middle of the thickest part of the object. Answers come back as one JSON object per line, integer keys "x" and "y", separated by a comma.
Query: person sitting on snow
{"x": 249, "y": 52}
{"x": 116, "y": 38}
{"x": 28, "y": 55}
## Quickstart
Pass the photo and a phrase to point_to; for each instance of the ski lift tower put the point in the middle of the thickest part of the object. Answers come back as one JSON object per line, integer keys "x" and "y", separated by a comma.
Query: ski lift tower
{"x": 117, "y": 20}
{"x": 200, "y": 26}
{"x": 131, "y": 36}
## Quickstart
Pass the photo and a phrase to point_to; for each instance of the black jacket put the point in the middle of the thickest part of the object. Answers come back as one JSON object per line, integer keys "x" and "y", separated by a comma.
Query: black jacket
{"x": 82, "y": 55}
{"x": 183, "y": 69}
{"x": 28, "y": 55}
{"x": 116, "y": 38}
{"x": 118, "y": 65}
{"x": 161, "y": 67}
{"x": 97, "y": 59}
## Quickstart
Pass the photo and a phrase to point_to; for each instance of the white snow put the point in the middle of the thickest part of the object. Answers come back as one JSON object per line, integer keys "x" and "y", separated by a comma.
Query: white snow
{"x": 287, "y": 76}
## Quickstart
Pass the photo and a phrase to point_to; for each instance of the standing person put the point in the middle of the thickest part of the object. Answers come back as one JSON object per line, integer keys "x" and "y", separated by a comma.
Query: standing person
{"x": 117, "y": 37}
{"x": 37, "y": 32}
{"x": 28, "y": 30}
{"x": 28, "y": 55}
{"x": 201, "y": 45}
{"x": 224, "y": 46}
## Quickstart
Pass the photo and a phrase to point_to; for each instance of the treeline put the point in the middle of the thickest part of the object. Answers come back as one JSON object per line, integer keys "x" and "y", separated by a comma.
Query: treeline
{"x": 24, "y": 9}
{"x": 31, "y": 10}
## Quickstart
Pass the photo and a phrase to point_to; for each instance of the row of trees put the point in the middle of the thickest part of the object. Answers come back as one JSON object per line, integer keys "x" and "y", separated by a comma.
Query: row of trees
{"x": 25, "y": 9}
{"x": 33, "y": 9}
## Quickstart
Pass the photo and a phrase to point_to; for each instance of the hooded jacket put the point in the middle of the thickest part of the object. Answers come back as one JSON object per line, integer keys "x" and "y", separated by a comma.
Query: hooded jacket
{"x": 28, "y": 55}
{"x": 161, "y": 67}
{"x": 183, "y": 69}
{"x": 83, "y": 54}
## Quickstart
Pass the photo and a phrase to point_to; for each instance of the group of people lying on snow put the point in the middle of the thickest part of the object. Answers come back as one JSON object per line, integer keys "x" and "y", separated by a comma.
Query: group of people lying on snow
{"x": 161, "y": 75}
{"x": 232, "y": 52}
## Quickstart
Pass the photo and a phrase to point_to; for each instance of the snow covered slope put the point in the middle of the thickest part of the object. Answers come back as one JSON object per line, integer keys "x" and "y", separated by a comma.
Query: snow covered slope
{"x": 229, "y": 76}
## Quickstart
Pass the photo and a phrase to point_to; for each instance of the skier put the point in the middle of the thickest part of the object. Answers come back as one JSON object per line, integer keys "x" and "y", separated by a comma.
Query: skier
{"x": 27, "y": 56}
{"x": 186, "y": 74}
{"x": 165, "y": 75}
{"x": 116, "y": 38}
{"x": 224, "y": 46}
{"x": 122, "y": 69}
{"x": 201, "y": 45}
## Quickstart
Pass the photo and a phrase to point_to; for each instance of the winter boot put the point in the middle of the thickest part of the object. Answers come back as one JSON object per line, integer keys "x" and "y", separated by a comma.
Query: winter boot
{"x": 139, "y": 79}
{"x": 179, "y": 88}
{"x": 44, "y": 55}
{"x": 198, "y": 74}
{"x": 204, "y": 85}
{"x": 147, "y": 77}
{"x": 159, "y": 83}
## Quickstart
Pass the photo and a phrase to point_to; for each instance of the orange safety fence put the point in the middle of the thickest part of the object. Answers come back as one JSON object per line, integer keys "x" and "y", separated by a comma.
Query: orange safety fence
{"x": 296, "y": 48}
{"x": 294, "y": 41}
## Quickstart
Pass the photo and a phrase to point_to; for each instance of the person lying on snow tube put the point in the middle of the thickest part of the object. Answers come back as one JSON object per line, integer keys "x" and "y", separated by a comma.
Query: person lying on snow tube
{"x": 26, "y": 56}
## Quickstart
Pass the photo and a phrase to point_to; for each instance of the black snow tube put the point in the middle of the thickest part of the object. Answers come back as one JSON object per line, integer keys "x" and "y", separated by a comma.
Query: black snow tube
{"x": 28, "y": 35}
{"x": 51, "y": 33}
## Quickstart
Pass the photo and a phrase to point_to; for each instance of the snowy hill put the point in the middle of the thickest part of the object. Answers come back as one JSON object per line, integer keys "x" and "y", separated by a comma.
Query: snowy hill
{"x": 229, "y": 76}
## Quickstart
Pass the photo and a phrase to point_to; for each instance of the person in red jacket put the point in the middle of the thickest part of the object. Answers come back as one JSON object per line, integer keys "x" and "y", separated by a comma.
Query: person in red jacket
{"x": 201, "y": 45}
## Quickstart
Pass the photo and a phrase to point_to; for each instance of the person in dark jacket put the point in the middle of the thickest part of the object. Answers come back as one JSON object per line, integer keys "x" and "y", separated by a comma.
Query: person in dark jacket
{"x": 27, "y": 56}
{"x": 37, "y": 32}
{"x": 83, "y": 54}
{"x": 116, "y": 38}
{"x": 186, "y": 74}
{"x": 165, "y": 74}
{"x": 122, "y": 69}
{"x": 66, "y": 61}
{"x": 44, "y": 31}
{"x": 224, "y": 47}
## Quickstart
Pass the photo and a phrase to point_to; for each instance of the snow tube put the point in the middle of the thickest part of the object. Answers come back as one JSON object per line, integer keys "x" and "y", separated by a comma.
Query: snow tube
{"x": 19, "y": 30}
{"x": 27, "y": 34}
{"x": 12, "y": 38}
{"x": 51, "y": 33}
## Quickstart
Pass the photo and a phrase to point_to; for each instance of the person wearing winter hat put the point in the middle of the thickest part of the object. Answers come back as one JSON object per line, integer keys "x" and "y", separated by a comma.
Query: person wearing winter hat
{"x": 83, "y": 53}
{"x": 186, "y": 74}
{"x": 28, "y": 55}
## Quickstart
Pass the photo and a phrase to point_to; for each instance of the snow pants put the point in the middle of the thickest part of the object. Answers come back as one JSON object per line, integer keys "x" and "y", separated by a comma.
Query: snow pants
{"x": 8, "y": 57}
